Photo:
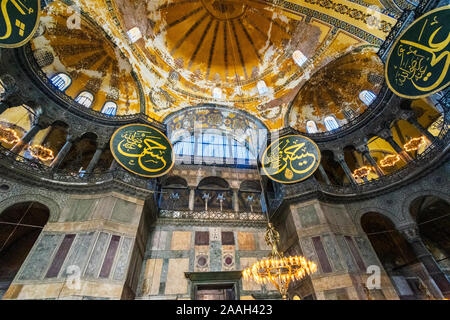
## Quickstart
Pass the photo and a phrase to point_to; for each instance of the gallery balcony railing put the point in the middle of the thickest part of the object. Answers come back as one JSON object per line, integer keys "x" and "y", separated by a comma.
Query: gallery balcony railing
{"x": 30, "y": 167}
{"x": 436, "y": 153}
{"x": 213, "y": 214}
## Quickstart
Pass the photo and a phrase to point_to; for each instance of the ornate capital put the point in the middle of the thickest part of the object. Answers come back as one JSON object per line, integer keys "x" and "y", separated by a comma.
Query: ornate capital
{"x": 411, "y": 232}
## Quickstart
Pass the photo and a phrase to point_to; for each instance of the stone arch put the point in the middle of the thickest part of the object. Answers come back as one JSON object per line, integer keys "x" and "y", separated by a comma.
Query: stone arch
{"x": 413, "y": 196}
{"x": 53, "y": 206}
{"x": 396, "y": 220}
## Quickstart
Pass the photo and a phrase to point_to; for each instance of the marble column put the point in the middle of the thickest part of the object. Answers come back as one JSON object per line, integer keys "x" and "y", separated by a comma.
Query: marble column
{"x": 341, "y": 160}
{"x": 62, "y": 153}
{"x": 366, "y": 154}
{"x": 412, "y": 235}
{"x": 236, "y": 200}
{"x": 405, "y": 156}
{"x": 19, "y": 146}
{"x": 324, "y": 174}
{"x": 94, "y": 161}
{"x": 422, "y": 130}
{"x": 114, "y": 165}
{"x": 191, "y": 198}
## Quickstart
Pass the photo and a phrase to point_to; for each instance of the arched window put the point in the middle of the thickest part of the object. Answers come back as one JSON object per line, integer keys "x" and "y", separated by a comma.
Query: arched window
{"x": 85, "y": 98}
{"x": 299, "y": 57}
{"x": 110, "y": 108}
{"x": 61, "y": 81}
{"x": 262, "y": 87}
{"x": 311, "y": 127}
{"x": 134, "y": 34}
{"x": 331, "y": 123}
{"x": 367, "y": 97}
{"x": 217, "y": 93}
{"x": 213, "y": 148}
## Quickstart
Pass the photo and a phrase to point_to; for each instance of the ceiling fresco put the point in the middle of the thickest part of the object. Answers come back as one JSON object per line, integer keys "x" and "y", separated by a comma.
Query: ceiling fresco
{"x": 93, "y": 63}
{"x": 191, "y": 48}
{"x": 334, "y": 90}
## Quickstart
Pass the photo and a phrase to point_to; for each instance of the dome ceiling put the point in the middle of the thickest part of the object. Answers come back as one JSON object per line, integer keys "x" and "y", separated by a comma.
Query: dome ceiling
{"x": 88, "y": 57}
{"x": 334, "y": 90}
{"x": 188, "y": 48}
{"x": 221, "y": 42}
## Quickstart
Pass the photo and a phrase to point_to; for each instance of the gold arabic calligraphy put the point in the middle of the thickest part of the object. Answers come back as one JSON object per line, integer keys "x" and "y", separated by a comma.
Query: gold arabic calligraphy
{"x": 148, "y": 151}
{"x": 414, "y": 61}
{"x": 23, "y": 10}
{"x": 292, "y": 159}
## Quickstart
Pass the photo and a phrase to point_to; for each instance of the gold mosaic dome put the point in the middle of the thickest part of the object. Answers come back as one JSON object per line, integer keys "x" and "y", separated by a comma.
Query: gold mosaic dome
{"x": 253, "y": 56}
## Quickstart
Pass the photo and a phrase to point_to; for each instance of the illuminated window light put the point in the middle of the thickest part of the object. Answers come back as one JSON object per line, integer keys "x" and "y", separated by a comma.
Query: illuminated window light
{"x": 367, "y": 97}
{"x": 61, "y": 81}
{"x": 134, "y": 34}
{"x": 311, "y": 127}
{"x": 331, "y": 123}
{"x": 110, "y": 108}
{"x": 217, "y": 93}
{"x": 262, "y": 87}
{"x": 299, "y": 57}
{"x": 85, "y": 98}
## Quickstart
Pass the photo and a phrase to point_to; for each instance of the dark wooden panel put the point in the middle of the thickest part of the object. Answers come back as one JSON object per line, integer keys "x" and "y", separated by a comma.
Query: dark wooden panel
{"x": 60, "y": 256}
{"x": 323, "y": 259}
{"x": 109, "y": 258}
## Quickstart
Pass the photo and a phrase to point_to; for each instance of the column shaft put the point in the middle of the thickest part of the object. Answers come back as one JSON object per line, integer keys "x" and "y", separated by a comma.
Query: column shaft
{"x": 61, "y": 154}
{"x": 94, "y": 160}
{"x": 26, "y": 139}
{"x": 191, "y": 198}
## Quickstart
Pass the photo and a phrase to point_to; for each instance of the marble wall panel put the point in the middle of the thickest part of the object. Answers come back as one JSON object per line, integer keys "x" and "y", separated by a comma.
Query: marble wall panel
{"x": 123, "y": 259}
{"x": 181, "y": 240}
{"x": 79, "y": 253}
{"x": 95, "y": 261}
{"x": 152, "y": 276}
{"x": 38, "y": 259}
{"x": 176, "y": 281}
{"x": 246, "y": 241}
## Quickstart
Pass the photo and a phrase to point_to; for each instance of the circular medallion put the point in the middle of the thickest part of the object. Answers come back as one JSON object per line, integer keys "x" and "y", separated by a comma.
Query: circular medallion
{"x": 143, "y": 150}
{"x": 19, "y": 20}
{"x": 291, "y": 159}
{"x": 418, "y": 63}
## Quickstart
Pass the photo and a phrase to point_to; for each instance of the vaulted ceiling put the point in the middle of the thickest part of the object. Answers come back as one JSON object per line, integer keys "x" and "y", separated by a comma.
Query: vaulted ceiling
{"x": 190, "y": 47}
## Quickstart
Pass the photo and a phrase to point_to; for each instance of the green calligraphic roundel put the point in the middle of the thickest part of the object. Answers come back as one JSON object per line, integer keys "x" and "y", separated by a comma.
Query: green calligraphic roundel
{"x": 143, "y": 150}
{"x": 418, "y": 63}
{"x": 291, "y": 159}
{"x": 19, "y": 20}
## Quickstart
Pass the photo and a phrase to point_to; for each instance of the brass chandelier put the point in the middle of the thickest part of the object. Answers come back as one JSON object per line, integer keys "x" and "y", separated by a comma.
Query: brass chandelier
{"x": 278, "y": 269}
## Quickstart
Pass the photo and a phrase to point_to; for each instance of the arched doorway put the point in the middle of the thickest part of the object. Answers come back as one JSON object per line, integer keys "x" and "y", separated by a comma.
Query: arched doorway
{"x": 432, "y": 215}
{"x": 20, "y": 226}
{"x": 396, "y": 255}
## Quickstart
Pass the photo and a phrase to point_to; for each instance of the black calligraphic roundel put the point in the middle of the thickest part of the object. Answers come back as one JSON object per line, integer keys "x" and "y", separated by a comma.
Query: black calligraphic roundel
{"x": 418, "y": 63}
{"x": 143, "y": 150}
{"x": 291, "y": 159}
{"x": 19, "y": 20}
